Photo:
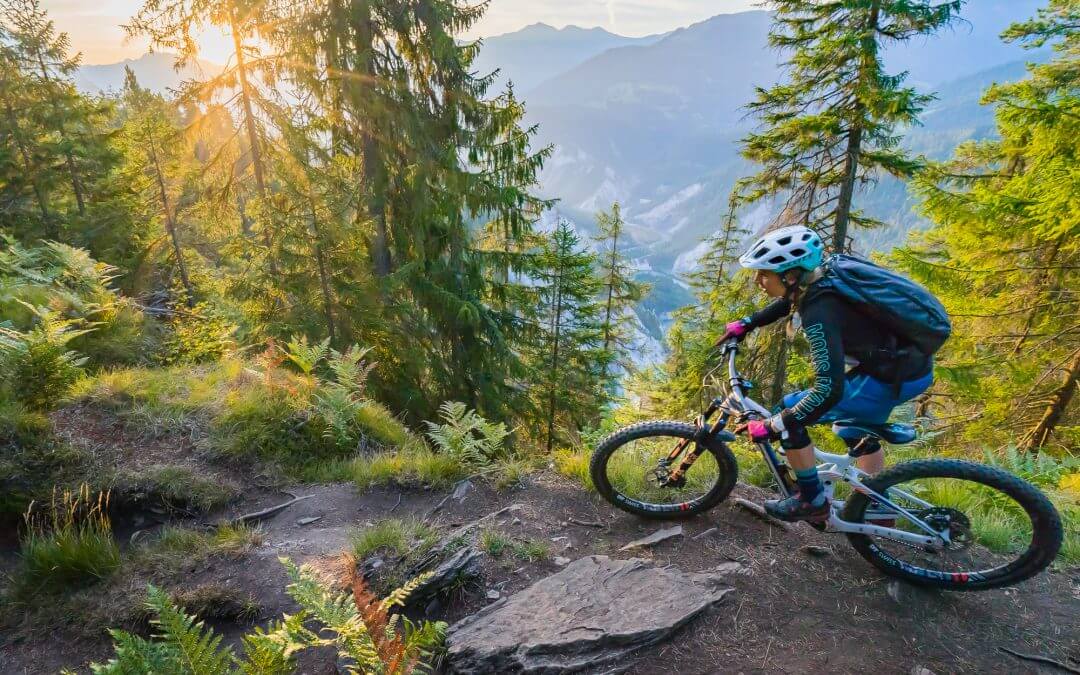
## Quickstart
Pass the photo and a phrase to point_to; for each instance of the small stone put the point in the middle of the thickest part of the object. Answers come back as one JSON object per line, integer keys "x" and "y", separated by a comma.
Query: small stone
{"x": 515, "y": 521}
{"x": 921, "y": 670}
{"x": 309, "y": 520}
{"x": 732, "y": 567}
{"x": 894, "y": 590}
{"x": 558, "y": 539}
{"x": 493, "y": 595}
{"x": 704, "y": 534}
{"x": 462, "y": 489}
{"x": 655, "y": 538}
{"x": 561, "y": 561}
{"x": 816, "y": 551}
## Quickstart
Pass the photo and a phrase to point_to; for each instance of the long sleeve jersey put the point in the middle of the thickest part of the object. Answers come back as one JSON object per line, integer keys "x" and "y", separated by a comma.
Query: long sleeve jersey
{"x": 835, "y": 328}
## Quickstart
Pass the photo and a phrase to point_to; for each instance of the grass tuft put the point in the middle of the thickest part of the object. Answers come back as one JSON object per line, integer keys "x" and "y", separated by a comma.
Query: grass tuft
{"x": 495, "y": 543}
{"x": 69, "y": 545}
{"x": 176, "y": 487}
{"x": 393, "y": 536}
{"x": 574, "y": 465}
{"x": 531, "y": 550}
{"x": 174, "y": 548}
{"x": 218, "y": 602}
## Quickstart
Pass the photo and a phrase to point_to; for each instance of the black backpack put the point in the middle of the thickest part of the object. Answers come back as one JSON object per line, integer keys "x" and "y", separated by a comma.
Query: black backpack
{"x": 907, "y": 309}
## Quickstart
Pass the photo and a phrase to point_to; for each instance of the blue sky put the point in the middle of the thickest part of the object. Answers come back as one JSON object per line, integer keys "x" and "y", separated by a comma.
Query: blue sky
{"x": 94, "y": 25}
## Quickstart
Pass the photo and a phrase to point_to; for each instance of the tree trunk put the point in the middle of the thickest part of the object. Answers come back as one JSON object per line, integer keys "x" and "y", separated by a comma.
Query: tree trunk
{"x": 855, "y": 138}
{"x": 557, "y": 329}
{"x": 373, "y": 170}
{"x": 610, "y": 291}
{"x": 847, "y": 188}
{"x": 1055, "y": 410}
{"x": 253, "y": 137}
{"x": 170, "y": 224}
{"x": 324, "y": 276}
{"x": 28, "y": 166}
{"x": 373, "y": 174}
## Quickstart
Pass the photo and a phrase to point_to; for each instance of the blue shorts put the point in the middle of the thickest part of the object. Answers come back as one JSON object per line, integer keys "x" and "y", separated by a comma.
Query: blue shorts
{"x": 866, "y": 399}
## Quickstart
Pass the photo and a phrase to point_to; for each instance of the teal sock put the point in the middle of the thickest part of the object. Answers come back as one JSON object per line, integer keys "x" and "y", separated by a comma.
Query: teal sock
{"x": 810, "y": 486}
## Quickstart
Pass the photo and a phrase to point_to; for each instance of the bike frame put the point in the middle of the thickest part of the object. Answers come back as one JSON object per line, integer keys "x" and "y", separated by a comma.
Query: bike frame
{"x": 833, "y": 469}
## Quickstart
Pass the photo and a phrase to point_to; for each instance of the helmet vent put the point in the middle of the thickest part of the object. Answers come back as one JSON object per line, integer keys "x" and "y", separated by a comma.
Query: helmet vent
{"x": 760, "y": 252}
{"x": 777, "y": 259}
{"x": 798, "y": 252}
{"x": 784, "y": 241}
{"x": 806, "y": 236}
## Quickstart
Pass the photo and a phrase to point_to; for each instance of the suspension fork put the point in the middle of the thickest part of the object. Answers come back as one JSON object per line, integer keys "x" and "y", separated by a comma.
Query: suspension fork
{"x": 701, "y": 434}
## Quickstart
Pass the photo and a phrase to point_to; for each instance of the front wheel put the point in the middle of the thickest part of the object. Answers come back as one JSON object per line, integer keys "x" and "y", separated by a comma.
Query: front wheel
{"x": 627, "y": 470}
{"x": 1001, "y": 529}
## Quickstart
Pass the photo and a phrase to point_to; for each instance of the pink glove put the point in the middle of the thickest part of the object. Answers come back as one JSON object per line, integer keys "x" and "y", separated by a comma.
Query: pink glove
{"x": 758, "y": 430}
{"x": 735, "y": 329}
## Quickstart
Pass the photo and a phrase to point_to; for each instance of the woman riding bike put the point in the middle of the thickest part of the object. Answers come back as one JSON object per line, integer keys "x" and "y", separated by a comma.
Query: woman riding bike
{"x": 862, "y": 370}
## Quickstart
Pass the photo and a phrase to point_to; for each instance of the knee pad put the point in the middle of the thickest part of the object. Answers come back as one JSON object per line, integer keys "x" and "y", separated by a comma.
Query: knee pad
{"x": 860, "y": 447}
{"x": 796, "y": 438}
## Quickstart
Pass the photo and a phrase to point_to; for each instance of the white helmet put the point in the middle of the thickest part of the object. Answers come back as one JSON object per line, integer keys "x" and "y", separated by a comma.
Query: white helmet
{"x": 784, "y": 249}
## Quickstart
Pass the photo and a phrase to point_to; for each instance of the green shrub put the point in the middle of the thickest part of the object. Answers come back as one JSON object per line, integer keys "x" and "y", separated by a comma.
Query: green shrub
{"x": 206, "y": 336}
{"x": 68, "y": 546}
{"x": 467, "y": 436}
{"x": 124, "y": 336}
{"x": 36, "y": 365}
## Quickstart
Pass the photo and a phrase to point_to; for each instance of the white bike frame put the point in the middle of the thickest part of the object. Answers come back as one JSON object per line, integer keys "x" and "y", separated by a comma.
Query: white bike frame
{"x": 833, "y": 470}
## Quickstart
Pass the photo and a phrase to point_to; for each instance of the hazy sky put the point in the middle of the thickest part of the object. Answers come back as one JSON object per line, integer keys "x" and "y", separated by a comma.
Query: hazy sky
{"x": 94, "y": 25}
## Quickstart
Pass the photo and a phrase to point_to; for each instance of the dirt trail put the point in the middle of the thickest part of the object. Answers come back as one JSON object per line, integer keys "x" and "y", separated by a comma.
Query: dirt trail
{"x": 793, "y": 611}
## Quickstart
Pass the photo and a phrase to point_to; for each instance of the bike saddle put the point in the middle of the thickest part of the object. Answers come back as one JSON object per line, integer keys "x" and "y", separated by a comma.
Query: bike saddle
{"x": 896, "y": 434}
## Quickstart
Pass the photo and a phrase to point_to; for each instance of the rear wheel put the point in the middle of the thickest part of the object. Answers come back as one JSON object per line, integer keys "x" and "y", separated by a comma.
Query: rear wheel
{"x": 1001, "y": 529}
{"x": 627, "y": 470}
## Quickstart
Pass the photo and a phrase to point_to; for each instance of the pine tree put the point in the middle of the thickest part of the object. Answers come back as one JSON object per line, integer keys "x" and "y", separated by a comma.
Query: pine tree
{"x": 172, "y": 24}
{"x": 832, "y": 125}
{"x": 570, "y": 357}
{"x": 1005, "y": 252}
{"x": 156, "y": 168}
{"x": 435, "y": 160}
{"x": 620, "y": 292}
{"x": 59, "y": 135}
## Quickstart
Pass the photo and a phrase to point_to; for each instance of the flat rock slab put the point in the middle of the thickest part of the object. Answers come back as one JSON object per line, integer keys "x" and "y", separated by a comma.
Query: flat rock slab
{"x": 594, "y": 612}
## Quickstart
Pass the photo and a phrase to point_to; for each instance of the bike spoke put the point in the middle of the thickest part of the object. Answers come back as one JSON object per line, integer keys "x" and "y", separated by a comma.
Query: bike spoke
{"x": 637, "y": 470}
{"x": 986, "y": 527}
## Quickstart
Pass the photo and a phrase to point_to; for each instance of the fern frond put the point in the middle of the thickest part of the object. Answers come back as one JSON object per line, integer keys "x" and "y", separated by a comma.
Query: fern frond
{"x": 197, "y": 647}
{"x": 271, "y": 651}
{"x": 399, "y": 596}
{"x": 338, "y": 615}
{"x": 306, "y": 356}
{"x": 135, "y": 656}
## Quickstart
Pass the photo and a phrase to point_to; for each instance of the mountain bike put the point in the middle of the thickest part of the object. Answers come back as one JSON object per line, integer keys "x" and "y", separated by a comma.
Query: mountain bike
{"x": 944, "y": 523}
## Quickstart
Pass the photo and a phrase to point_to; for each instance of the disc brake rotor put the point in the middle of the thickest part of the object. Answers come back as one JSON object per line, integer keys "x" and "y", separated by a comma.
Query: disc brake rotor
{"x": 952, "y": 522}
